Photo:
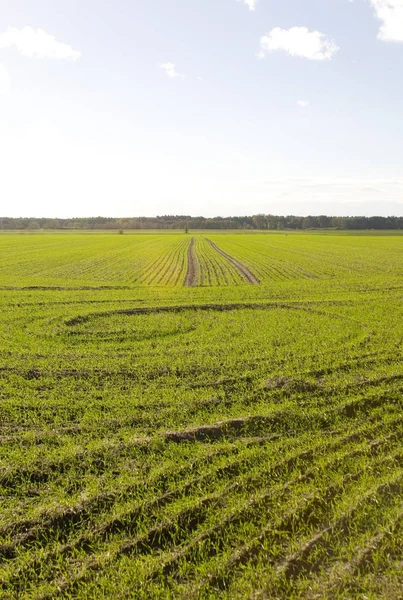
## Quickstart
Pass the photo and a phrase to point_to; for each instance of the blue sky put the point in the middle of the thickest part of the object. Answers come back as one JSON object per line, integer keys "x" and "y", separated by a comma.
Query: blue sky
{"x": 209, "y": 107}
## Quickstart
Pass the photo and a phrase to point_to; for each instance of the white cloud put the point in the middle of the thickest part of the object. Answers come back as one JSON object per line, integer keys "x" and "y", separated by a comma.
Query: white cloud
{"x": 390, "y": 13}
{"x": 298, "y": 41}
{"x": 250, "y": 3}
{"x": 170, "y": 69}
{"x": 303, "y": 103}
{"x": 36, "y": 44}
{"x": 4, "y": 81}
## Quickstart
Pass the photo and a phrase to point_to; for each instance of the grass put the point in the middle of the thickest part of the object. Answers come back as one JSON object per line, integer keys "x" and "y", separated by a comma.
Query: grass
{"x": 223, "y": 440}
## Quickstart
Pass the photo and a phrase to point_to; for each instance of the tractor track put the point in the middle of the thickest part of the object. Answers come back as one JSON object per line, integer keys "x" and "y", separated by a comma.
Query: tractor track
{"x": 242, "y": 270}
{"x": 191, "y": 275}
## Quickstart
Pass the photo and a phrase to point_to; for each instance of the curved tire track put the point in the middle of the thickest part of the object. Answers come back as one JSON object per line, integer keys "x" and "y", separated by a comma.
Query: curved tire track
{"x": 148, "y": 310}
{"x": 242, "y": 270}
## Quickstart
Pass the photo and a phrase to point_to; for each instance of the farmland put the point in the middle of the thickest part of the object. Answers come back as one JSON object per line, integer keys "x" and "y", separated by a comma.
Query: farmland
{"x": 201, "y": 416}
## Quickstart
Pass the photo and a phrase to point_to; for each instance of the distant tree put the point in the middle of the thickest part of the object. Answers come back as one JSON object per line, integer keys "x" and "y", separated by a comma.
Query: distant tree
{"x": 281, "y": 222}
{"x": 308, "y": 223}
{"x": 324, "y": 221}
{"x": 259, "y": 221}
{"x": 186, "y": 222}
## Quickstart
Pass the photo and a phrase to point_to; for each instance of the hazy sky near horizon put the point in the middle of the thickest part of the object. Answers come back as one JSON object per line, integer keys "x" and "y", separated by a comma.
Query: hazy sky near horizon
{"x": 212, "y": 107}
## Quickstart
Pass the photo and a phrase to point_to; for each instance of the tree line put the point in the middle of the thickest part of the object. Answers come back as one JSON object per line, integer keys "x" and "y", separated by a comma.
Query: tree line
{"x": 260, "y": 221}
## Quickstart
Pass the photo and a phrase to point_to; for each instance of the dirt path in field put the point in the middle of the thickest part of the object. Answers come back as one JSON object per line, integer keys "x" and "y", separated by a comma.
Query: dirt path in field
{"x": 191, "y": 275}
{"x": 242, "y": 270}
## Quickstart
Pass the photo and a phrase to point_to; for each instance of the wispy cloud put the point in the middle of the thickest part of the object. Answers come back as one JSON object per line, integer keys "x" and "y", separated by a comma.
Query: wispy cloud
{"x": 36, "y": 44}
{"x": 170, "y": 69}
{"x": 250, "y": 3}
{"x": 298, "y": 41}
{"x": 303, "y": 103}
{"x": 390, "y": 13}
{"x": 4, "y": 81}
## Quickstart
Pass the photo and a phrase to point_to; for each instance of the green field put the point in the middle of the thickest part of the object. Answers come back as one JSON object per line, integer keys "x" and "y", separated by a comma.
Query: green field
{"x": 201, "y": 416}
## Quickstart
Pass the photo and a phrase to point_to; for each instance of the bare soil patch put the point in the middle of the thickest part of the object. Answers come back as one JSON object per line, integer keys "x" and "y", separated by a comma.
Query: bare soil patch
{"x": 216, "y": 431}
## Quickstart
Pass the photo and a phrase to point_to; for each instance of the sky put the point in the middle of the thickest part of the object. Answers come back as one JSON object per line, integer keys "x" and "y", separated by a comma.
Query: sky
{"x": 201, "y": 107}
